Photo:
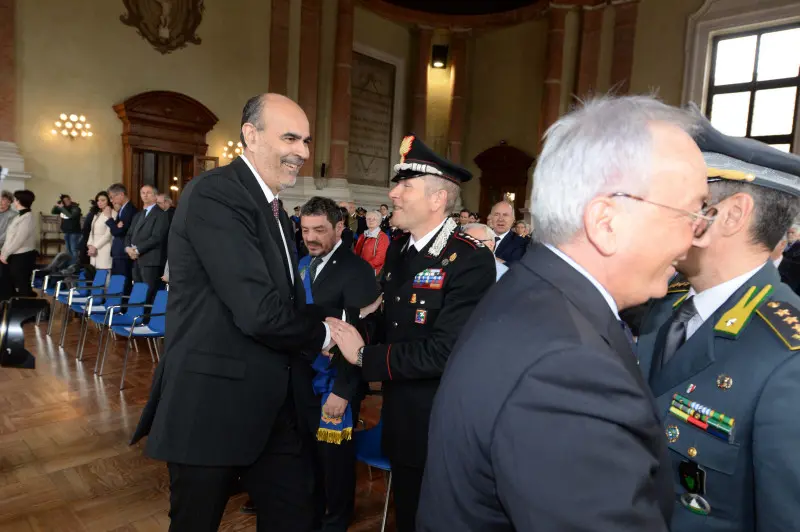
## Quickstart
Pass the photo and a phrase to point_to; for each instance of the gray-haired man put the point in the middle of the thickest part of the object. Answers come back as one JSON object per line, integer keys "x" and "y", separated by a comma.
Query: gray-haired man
{"x": 542, "y": 420}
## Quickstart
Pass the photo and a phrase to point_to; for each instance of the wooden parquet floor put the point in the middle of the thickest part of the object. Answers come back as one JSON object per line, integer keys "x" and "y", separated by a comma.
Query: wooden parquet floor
{"x": 65, "y": 463}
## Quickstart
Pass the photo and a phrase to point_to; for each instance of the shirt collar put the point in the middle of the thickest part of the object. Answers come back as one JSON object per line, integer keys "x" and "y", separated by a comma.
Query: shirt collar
{"x": 331, "y": 252}
{"x": 503, "y": 235}
{"x": 422, "y": 242}
{"x": 372, "y": 233}
{"x": 708, "y": 301}
{"x": 148, "y": 209}
{"x": 603, "y": 292}
{"x": 267, "y": 192}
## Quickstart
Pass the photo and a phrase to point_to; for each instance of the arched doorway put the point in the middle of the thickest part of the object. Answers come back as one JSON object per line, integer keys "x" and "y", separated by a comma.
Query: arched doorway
{"x": 164, "y": 141}
{"x": 504, "y": 175}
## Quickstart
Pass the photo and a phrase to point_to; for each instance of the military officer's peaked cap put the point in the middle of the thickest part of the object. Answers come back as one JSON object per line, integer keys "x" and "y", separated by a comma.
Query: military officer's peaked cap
{"x": 416, "y": 159}
{"x": 748, "y": 160}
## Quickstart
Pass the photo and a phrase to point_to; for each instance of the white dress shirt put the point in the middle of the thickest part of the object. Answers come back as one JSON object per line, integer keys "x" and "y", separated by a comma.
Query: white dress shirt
{"x": 777, "y": 262}
{"x": 500, "y": 269}
{"x": 325, "y": 259}
{"x": 422, "y": 242}
{"x": 270, "y": 196}
{"x": 603, "y": 292}
{"x": 708, "y": 301}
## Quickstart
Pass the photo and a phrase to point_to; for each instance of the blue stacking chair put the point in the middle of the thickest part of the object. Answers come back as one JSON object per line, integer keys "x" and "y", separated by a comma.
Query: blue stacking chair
{"x": 368, "y": 450}
{"x": 153, "y": 331}
{"x": 79, "y": 293}
{"x": 77, "y": 305}
{"x": 121, "y": 313}
{"x": 48, "y": 286}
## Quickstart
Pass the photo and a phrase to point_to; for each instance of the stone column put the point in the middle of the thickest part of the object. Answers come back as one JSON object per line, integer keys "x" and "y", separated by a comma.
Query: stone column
{"x": 551, "y": 99}
{"x": 458, "y": 110}
{"x": 419, "y": 106}
{"x": 340, "y": 117}
{"x": 309, "y": 71}
{"x": 626, "y": 12}
{"x": 279, "y": 46}
{"x": 9, "y": 154}
{"x": 588, "y": 62}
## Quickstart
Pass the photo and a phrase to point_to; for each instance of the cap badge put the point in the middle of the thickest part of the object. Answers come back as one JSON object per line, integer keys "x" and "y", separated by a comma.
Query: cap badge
{"x": 405, "y": 147}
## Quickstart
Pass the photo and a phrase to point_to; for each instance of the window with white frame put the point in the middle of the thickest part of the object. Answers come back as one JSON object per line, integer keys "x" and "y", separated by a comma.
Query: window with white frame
{"x": 754, "y": 85}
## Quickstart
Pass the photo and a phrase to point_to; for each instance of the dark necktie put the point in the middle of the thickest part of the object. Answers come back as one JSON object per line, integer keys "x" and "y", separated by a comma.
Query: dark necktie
{"x": 313, "y": 267}
{"x": 496, "y": 240}
{"x": 628, "y": 334}
{"x": 676, "y": 329}
{"x": 275, "y": 208}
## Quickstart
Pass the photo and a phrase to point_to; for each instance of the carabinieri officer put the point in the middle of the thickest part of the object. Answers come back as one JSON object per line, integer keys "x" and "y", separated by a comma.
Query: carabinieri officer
{"x": 434, "y": 277}
{"x": 720, "y": 351}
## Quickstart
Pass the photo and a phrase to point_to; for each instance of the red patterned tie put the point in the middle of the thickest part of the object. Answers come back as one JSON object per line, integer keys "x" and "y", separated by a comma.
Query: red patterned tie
{"x": 275, "y": 208}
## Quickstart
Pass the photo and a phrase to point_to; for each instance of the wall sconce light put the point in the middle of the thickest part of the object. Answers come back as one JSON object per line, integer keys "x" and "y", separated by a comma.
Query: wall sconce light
{"x": 439, "y": 56}
{"x": 72, "y": 126}
{"x": 174, "y": 186}
{"x": 230, "y": 152}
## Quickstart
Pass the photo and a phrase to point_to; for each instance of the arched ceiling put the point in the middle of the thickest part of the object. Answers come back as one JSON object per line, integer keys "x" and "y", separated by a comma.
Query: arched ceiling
{"x": 461, "y": 7}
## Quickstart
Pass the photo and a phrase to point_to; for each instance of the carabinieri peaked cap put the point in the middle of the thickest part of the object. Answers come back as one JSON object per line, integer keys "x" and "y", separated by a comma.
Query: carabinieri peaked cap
{"x": 416, "y": 159}
{"x": 748, "y": 160}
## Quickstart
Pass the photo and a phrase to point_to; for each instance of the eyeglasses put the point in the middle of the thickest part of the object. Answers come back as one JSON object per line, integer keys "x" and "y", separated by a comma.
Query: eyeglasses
{"x": 701, "y": 221}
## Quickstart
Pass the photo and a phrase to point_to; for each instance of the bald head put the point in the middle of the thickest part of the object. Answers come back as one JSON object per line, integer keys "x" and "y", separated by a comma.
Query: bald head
{"x": 275, "y": 135}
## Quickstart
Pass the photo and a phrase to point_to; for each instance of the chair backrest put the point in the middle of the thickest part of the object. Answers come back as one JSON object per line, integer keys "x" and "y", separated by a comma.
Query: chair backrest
{"x": 137, "y": 297}
{"x": 159, "y": 323}
{"x": 98, "y": 284}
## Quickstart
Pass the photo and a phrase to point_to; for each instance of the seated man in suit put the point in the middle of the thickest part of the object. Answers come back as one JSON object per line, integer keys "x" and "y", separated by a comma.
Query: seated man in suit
{"x": 335, "y": 279}
{"x": 144, "y": 243}
{"x": 510, "y": 247}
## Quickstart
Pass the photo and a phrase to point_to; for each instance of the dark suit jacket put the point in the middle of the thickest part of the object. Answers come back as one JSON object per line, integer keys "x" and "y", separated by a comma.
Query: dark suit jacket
{"x": 235, "y": 326}
{"x": 511, "y": 248}
{"x": 345, "y": 282}
{"x": 148, "y": 233}
{"x": 543, "y": 420}
{"x": 119, "y": 233}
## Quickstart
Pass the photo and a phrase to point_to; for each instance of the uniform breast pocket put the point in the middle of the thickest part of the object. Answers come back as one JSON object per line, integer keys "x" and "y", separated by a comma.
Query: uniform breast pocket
{"x": 427, "y": 299}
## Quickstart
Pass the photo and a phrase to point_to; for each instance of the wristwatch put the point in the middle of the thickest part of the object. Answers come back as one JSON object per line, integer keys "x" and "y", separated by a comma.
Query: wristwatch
{"x": 360, "y": 356}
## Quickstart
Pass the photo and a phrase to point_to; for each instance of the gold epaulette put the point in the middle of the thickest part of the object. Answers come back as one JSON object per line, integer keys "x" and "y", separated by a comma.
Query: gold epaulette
{"x": 678, "y": 287}
{"x": 737, "y": 317}
{"x": 784, "y": 320}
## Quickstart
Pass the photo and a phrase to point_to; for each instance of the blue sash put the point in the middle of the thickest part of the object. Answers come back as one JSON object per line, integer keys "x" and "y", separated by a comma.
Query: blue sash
{"x": 331, "y": 430}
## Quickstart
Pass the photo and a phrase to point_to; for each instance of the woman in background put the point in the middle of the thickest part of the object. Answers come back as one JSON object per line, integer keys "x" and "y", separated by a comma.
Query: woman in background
{"x": 19, "y": 249}
{"x": 99, "y": 242}
{"x": 372, "y": 245}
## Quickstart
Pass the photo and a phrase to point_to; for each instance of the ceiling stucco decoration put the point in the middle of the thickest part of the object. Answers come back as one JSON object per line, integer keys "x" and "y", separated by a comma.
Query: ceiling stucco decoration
{"x": 166, "y": 24}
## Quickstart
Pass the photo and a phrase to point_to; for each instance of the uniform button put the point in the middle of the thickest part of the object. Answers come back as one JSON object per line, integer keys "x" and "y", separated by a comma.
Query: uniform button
{"x": 397, "y": 299}
{"x": 692, "y": 452}
{"x": 394, "y": 324}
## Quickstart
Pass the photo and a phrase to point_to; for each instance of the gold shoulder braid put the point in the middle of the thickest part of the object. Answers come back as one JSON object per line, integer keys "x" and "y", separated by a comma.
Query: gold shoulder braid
{"x": 734, "y": 320}
{"x": 784, "y": 320}
{"x": 678, "y": 287}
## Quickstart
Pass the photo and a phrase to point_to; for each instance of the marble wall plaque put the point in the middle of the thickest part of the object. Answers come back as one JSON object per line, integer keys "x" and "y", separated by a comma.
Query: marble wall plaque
{"x": 371, "y": 117}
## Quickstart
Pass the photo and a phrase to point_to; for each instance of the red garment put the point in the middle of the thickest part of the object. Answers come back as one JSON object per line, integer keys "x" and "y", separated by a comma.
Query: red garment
{"x": 373, "y": 250}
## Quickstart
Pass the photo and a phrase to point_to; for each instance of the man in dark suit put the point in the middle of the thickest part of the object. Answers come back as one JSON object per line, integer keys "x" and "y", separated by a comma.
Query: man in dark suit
{"x": 224, "y": 396}
{"x": 145, "y": 241}
{"x": 543, "y": 420}
{"x": 509, "y": 246}
{"x": 434, "y": 277}
{"x": 337, "y": 279}
{"x": 121, "y": 263}
{"x": 720, "y": 351}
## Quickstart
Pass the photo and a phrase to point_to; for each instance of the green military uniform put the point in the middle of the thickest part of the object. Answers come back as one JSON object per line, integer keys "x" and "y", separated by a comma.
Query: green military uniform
{"x": 730, "y": 394}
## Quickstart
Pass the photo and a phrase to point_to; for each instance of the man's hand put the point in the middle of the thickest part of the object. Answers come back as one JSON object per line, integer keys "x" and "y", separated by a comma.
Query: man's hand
{"x": 327, "y": 349}
{"x": 334, "y": 406}
{"x": 3, "y": 259}
{"x": 347, "y": 338}
{"x": 120, "y": 225}
{"x": 372, "y": 307}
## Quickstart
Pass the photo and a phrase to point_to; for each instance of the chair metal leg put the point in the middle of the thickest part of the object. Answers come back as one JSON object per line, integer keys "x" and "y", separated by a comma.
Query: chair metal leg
{"x": 109, "y": 335}
{"x": 150, "y": 348}
{"x": 136, "y": 345}
{"x": 64, "y": 323}
{"x": 52, "y": 315}
{"x": 82, "y": 335}
{"x": 158, "y": 353}
{"x": 386, "y": 503}
{"x": 125, "y": 364}
{"x": 100, "y": 338}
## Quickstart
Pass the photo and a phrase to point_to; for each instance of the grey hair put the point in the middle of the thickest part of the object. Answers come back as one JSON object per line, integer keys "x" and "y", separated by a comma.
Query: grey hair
{"x": 504, "y": 202}
{"x": 435, "y": 184}
{"x": 604, "y": 147}
{"x": 490, "y": 235}
{"x": 118, "y": 188}
{"x": 251, "y": 114}
{"x": 374, "y": 213}
{"x": 155, "y": 189}
{"x": 773, "y": 210}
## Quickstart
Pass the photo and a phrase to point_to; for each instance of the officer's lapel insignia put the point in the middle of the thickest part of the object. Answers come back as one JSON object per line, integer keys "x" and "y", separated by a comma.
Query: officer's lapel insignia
{"x": 441, "y": 239}
{"x": 680, "y": 300}
{"x": 736, "y": 318}
{"x": 678, "y": 287}
{"x": 303, "y": 274}
{"x": 784, "y": 320}
{"x": 421, "y": 316}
